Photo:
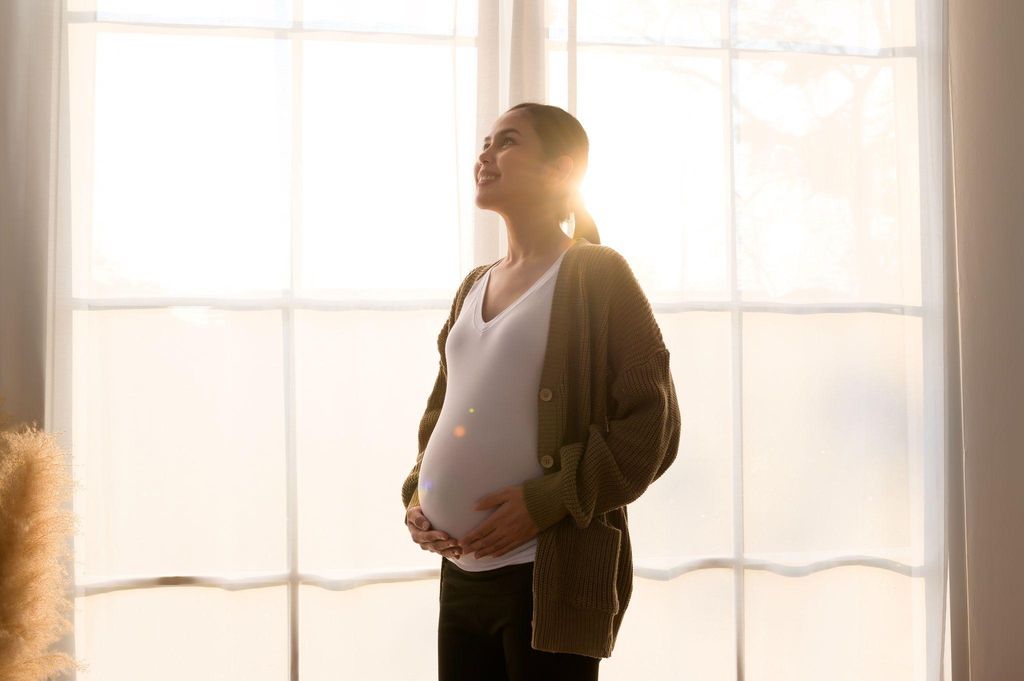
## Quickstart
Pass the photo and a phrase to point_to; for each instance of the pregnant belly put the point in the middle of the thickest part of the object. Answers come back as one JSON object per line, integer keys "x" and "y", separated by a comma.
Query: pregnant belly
{"x": 456, "y": 473}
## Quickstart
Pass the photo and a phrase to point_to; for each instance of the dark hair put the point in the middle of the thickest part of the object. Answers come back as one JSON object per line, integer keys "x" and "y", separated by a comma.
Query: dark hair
{"x": 561, "y": 133}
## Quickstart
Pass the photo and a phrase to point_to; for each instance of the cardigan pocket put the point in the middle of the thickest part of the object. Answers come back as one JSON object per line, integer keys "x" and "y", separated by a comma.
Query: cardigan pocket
{"x": 595, "y": 567}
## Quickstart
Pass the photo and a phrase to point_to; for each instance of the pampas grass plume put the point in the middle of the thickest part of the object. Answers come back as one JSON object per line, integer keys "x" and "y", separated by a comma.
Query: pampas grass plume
{"x": 34, "y": 533}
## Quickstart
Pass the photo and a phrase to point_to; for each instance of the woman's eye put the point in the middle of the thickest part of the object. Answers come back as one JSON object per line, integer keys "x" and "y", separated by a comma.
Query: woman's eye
{"x": 507, "y": 139}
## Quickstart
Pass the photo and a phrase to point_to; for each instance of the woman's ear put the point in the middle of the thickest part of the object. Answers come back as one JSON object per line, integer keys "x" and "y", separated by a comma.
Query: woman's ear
{"x": 561, "y": 172}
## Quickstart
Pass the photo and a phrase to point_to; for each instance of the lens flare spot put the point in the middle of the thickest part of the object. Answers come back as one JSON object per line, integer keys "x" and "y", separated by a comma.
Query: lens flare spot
{"x": 459, "y": 431}
{"x": 472, "y": 410}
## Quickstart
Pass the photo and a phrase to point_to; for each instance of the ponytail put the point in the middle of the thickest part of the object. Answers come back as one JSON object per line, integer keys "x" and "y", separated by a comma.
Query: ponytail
{"x": 584, "y": 224}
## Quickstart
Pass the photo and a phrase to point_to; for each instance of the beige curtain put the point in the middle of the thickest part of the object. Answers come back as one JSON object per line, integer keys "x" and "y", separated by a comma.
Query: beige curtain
{"x": 29, "y": 59}
{"x": 987, "y": 87}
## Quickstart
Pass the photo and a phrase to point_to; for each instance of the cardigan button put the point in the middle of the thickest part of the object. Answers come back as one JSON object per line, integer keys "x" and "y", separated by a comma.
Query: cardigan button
{"x": 547, "y": 461}
{"x": 545, "y": 394}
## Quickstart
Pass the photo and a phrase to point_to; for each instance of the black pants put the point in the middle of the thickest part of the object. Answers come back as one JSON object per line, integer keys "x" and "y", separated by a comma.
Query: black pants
{"x": 485, "y": 627}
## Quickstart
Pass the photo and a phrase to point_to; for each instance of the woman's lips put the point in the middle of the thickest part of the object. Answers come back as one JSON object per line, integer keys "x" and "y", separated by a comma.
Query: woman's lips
{"x": 482, "y": 181}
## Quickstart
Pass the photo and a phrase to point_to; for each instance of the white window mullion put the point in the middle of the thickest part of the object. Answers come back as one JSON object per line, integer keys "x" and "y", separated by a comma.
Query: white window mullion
{"x": 528, "y": 56}
{"x": 288, "y": 347}
{"x": 458, "y": 151}
{"x": 930, "y": 456}
{"x": 524, "y": 41}
{"x": 736, "y": 344}
{"x": 59, "y": 342}
{"x": 570, "y": 56}
{"x": 253, "y": 304}
{"x": 657, "y": 569}
{"x": 489, "y": 105}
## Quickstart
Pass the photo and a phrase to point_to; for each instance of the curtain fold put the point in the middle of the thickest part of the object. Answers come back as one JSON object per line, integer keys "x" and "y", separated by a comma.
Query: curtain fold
{"x": 986, "y": 83}
{"x": 29, "y": 59}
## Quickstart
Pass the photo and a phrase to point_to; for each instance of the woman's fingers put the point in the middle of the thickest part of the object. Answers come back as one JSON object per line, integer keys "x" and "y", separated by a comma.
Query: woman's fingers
{"x": 434, "y": 540}
{"x": 430, "y": 539}
{"x": 449, "y": 550}
{"x": 417, "y": 518}
{"x": 443, "y": 545}
{"x": 419, "y": 527}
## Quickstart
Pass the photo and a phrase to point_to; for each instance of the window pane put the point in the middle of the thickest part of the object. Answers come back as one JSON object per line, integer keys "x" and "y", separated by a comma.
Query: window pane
{"x": 192, "y": 170}
{"x": 183, "y": 632}
{"x": 657, "y": 22}
{"x": 827, "y": 179}
{"x": 378, "y": 631}
{"x": 684, "y": 628}
{"x": 383, "y": 165}
{"x": 436, "y": 17}
{"x": 362, "y": 383}
{"x": 832, "y": 436}
{"x": 179, "y": 442}
{"x": 215, "y": 12}
{"x": 688, "y": 511}
{"x": 656, "y": 171}
{"x": 845, "y": 623}
{"x": 850, "y": 23}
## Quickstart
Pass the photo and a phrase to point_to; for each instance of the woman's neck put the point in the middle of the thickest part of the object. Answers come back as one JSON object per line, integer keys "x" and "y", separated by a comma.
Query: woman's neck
{"x": 540, "y": 246}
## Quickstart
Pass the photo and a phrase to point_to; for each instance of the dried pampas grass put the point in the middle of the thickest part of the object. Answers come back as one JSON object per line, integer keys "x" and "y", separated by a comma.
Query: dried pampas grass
{"x": 34, "y": 533}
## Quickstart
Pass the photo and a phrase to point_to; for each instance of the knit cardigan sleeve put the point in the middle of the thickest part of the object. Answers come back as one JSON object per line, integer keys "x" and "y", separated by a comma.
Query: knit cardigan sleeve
{"x": 614, "y": 465}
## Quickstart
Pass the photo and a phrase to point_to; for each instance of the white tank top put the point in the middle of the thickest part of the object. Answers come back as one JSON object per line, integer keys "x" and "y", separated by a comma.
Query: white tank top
{"x": 486, "y": 434}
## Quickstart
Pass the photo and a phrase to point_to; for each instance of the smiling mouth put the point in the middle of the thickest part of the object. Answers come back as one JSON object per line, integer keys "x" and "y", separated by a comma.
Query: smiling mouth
{"x": 485, "y": 180}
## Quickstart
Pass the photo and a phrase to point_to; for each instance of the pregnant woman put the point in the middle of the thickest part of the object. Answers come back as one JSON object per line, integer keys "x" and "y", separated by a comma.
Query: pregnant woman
{"x": 554, "y": 407}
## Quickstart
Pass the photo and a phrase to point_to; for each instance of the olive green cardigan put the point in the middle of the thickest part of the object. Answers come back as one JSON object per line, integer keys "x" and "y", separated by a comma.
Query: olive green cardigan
{"x": 608, "y": 426}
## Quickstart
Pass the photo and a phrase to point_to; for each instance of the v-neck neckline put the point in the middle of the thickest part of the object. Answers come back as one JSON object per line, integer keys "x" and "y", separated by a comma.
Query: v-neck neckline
{"x": 483, "y": 325}
{"x": 478, "y": 316}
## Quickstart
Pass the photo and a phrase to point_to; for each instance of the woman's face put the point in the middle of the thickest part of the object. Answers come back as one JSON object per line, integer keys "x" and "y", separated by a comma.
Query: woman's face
{"x": 511, "y": 154}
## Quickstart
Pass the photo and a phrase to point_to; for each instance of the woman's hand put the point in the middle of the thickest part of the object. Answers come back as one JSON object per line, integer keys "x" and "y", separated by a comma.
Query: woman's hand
{"x": 430, "y": 540}
{"x": 504, "y": 530}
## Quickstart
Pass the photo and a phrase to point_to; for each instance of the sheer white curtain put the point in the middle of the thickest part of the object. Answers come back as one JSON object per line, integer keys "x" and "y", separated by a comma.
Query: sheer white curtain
{"x": 266, "y": 207}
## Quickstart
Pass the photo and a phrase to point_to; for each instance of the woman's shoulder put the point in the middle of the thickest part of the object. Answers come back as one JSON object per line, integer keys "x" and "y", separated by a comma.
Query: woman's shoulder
{"x": 469, "y": 279}
{"x": 604, "y": 263}
{"x": 474, "y": 274}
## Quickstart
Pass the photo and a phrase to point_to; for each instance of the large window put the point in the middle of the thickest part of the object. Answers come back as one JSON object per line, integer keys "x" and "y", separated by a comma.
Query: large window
{"x": 270, "y": 206}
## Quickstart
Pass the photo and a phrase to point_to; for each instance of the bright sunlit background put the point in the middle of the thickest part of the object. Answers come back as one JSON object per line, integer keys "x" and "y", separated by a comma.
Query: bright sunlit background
{"x": 272, "y": 205}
